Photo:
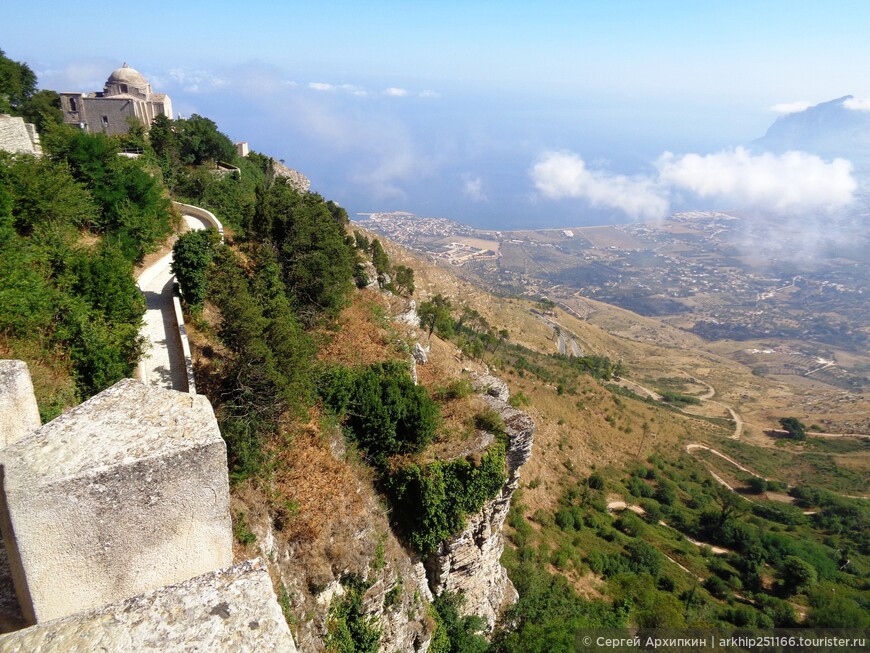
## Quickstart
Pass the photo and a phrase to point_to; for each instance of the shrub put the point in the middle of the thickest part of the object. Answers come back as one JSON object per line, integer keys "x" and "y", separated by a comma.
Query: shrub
{"x": 241, "y": 532}
{"x": 596, "y": 481}
{"x": 630, "y": 524}
{"x": 431, "y": 501}
{"x": 348, "y": 628}
{"x": 387, "y": 413}
{"x": 489, "y": 420}
{"x": 644, "y": 558}
{"x": 456, "y": 389}
{"x": 192, "y": 255}
{"x": 565, "y": 519}
{"x": 519, "y": 400}
{"x": 717, "y": 587}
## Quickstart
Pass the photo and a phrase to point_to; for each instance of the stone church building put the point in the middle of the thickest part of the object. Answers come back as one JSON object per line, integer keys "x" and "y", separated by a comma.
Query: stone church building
{"x": 127, "y": 94}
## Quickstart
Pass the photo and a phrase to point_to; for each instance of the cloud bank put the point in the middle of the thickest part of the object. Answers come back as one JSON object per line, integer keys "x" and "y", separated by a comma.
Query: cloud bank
{"x": 559, "y": 175}
{"x": 856, "y": 104}
{"x": 791, "y": 107}
{"x": 794, "y": 182}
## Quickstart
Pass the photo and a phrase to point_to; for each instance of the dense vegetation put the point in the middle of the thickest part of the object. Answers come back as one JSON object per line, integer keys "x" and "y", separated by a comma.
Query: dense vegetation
{"x": 73, "y": 224}
{"x": 390, "y": 419}
{"x": 780, "y": 561}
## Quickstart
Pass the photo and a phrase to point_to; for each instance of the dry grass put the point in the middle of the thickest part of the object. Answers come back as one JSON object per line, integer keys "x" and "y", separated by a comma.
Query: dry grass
{"x": 360, "y": 336}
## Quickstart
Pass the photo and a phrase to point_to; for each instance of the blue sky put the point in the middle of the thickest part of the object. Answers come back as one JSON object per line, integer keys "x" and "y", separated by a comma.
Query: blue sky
{"x": 456, "y": 109}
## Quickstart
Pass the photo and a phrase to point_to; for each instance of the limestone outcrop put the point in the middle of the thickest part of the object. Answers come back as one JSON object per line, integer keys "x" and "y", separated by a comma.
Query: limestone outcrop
{"x": 360, "y": 546}
{"x": 469, "y": 562}
{"x": 296, "y": 179}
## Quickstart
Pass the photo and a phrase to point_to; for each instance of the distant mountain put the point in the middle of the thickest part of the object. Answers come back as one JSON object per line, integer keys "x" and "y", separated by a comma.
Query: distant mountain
{"x": 829, "y": 129}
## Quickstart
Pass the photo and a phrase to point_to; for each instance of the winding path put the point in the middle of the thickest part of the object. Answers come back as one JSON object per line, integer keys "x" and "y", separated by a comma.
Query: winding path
{"x": 163, "y": 364}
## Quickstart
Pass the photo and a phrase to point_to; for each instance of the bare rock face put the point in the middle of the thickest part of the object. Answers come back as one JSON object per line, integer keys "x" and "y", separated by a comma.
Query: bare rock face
{"x": 19, "y": 414}
{"x": 356, "y": 545}
{"x": 297, "y": 180}
{"x": 469, "y": 562}
{"x": 421, "y": 353}
{"x": 492, "y": 386}
{"x": 410, "y": 316}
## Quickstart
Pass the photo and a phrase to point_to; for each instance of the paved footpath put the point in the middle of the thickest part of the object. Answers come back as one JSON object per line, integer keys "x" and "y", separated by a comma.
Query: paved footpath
{"x": 162, "y": 364}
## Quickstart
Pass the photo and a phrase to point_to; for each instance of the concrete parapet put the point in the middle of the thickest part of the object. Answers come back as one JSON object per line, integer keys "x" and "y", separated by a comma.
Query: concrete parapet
{"x": 198, "y": 212}
{"x": 233, "y": 610}
{"x": 185, "y": 344}
{"x": 123, "y": 494}
{"x": 19, "y": 414}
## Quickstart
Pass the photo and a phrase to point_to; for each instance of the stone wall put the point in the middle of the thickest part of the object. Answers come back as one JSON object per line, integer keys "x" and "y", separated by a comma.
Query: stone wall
{"x": 227, "y": 611}
{"x": 203, "y": 214}
{"x": 19, "y": 414}
{"x": 121, "y": 495}
{"x": 18, "y": 136}
{"x": 117, "y": 532}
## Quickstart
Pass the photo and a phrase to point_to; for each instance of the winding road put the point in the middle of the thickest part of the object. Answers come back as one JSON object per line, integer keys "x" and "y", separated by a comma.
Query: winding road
{"x": 163, "y": 364}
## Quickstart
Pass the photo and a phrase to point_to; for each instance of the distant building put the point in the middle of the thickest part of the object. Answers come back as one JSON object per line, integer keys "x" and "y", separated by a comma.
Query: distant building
{"x": 127, "y": 94}
{"x": 18, "y": 136}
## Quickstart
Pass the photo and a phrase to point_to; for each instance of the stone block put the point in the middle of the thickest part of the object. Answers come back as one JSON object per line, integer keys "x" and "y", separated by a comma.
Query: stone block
{"x": 233, "y": 610}
{"x": 19, "y": 414}
{"x": 123, "y": 494}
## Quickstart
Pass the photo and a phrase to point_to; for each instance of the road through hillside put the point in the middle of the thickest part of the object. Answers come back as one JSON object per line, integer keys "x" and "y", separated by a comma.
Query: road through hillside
{"x": 162, "y": 364}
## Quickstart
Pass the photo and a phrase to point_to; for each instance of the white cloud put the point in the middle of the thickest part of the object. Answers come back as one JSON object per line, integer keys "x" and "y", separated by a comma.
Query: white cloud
{"x": 791, "y": 107}
{"x": 559, "y": 175}
{"x": 395, "y": 92}
{"x": 428, "y": 93}
{"x": 197, "y": 81}
{"x": 793, "y": 181}
{"x": 320, "y": 86}
{"x": 353, "y": 90}
{"x": 472, "y": 187}
{"x": 857, "y": 105}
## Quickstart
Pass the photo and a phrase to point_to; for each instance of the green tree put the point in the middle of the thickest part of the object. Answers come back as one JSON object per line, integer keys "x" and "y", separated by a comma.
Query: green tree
{"x": 134, "y": 213}
{"x": 832, "y": 609}
{"x": 435, "y": 314}
{"x": 380, "y": 259}
{"x": 192, "y": 255}
{"x": 348, "y": 628}
{"x": 403, "y": 280}
{"x": 42, "y": 109}
{"x": 462, "y": 632}
{"x": 317, "y": 262}
{"x": 390, "y": 415}
{"x": 17, "y": 83}
{"x": 797, "y": 575}
{"x": 200, "y": 141}
{"x": 361, "y": 241}
{"x": 794, "y": 427}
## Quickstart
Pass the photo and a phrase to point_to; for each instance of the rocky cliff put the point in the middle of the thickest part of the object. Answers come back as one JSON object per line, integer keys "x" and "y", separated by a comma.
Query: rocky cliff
{"x": 469, "y": 562}
{"x": 353, "y": 539}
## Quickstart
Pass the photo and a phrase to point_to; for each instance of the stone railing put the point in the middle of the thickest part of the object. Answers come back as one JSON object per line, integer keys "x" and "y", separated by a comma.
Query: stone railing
{"x": 185, "y": 343}
{"x": 202, "y": 214}
{"x": 117, "y": 531}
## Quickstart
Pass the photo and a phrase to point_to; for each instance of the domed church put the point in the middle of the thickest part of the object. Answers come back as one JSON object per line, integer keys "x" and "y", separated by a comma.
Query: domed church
{"x": 126, "y": 95}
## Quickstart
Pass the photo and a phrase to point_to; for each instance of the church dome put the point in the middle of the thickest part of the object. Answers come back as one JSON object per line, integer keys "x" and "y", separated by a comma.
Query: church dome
{"x": 127, "y": 75}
